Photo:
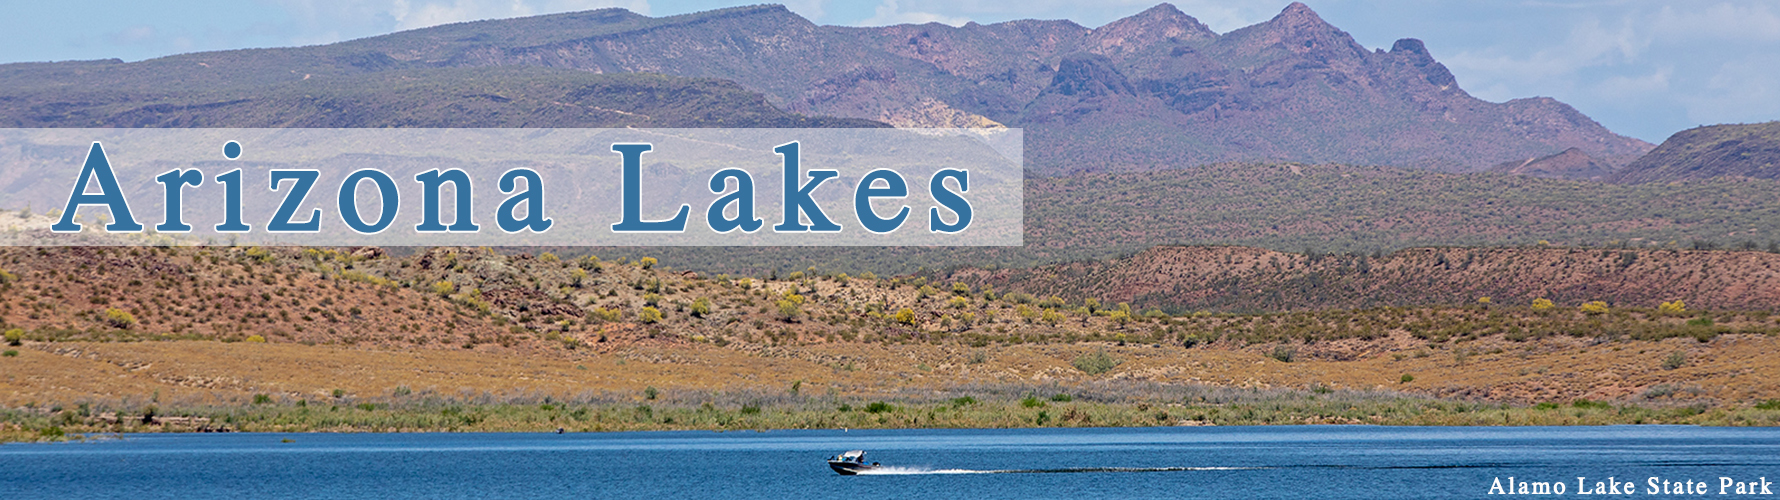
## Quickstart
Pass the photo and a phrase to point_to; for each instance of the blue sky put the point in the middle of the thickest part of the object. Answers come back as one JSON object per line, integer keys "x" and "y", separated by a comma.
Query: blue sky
{"x": 1643, "y": 68}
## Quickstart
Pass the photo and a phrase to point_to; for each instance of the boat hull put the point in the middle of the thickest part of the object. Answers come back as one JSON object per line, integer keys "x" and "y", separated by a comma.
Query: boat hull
{"x": 849, "y": 468}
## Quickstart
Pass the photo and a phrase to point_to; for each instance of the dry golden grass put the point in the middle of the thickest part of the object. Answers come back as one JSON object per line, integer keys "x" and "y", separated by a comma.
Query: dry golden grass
{"x": 1731, "y": 370}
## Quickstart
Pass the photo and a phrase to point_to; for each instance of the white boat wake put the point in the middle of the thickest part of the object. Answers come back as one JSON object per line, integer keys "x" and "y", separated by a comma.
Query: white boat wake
{"x": 905, "y": 471}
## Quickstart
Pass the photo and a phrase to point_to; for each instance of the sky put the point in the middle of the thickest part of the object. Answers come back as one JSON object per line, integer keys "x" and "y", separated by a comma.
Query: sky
{"x": 1643, "y": 68}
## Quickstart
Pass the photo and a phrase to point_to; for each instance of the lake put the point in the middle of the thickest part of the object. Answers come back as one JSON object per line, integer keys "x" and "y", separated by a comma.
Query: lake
{"x": 1181, "y": 462}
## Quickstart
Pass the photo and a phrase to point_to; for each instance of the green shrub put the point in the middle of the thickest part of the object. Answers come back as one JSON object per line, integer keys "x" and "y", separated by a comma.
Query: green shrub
{"x": 1546, "y": 406}
{"x": 1063, "y": 398}
{"x": 964, "y": 401}
{"x": 10, "y": 353}
{"x": 1772, "y": 404}
{"x": 1587, "y": 403}
{"x": 701, "y": 307}
{"x": 1096, "y": 362}
{"x": 650, "y": 393}
{"x": 1675, "y": 360}
{"x": 1407, "y": 378}
{"x": 788, "y": 309}
{"x": 1032, "y": 402}
{"x": 262, "y": 399}
{"x": 879, "y": 407}
{"x": 1284, "y": 353}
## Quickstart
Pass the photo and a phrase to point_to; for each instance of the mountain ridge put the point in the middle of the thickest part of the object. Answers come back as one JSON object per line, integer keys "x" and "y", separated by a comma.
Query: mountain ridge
{"x": 1293, "y": 88}
{"x": 1739, "y": 150}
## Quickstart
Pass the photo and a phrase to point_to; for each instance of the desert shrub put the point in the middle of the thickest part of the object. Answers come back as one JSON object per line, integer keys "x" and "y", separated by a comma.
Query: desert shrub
{"x": 1675, "y": 308}
{"x": 650, "y": 393}
{"x": 1406, "y": 378}
{"x": 963, "y": 401}
{"x": 1589, "y": 403}
{"x": 1095, "y": 363}
{"x": 1772, "y": 404}
{"x": 1543, "y": 304}
{"x": 1594, "y": 308}
{"x": 905, "y": 316}
{"x": 256, "y": 338}
{"x": 15, "y": 336}
{"x": 262, "y": 399}
{"x": 1032, "y": 402}
{"x": 1063, "y": 398}
{"x": 647, "y": 262}
{"x": 444, "y": 287}
{"x": 1120, "y": 317}
{"x": 788, "y": 309}
{"x": 879, "y": 407}
{"x": 701, "y": 307}
{"x": 653, "y": 299}
{"x": 1674, "y": 360}
{"x": 119, "y": 318}
{"x": 958, "y": 302}
{"x": 607, "y": 315}
{"x": 1284, "y": 353}
{"x": 10, "y": 353}
{"x": 959, "y": 288}
{"x": 649, "y": 315}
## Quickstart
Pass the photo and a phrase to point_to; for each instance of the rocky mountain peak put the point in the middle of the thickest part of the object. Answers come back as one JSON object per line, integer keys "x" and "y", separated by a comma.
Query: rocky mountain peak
{"x": 1158, "y": 25}
{"x": 1298, "y": 15}
{"x": 1412, "y": 51}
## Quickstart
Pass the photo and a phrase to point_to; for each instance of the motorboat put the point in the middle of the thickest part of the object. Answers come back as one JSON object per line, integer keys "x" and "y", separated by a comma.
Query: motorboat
{"x": 851, "y": 463}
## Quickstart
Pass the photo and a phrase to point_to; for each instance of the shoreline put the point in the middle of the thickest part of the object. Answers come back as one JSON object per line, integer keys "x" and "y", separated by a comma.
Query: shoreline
{"x": 963, "y": 412}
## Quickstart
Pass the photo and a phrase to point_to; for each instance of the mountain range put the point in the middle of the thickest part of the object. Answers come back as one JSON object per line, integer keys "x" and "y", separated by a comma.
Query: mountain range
{"x": 1156, "y": 90}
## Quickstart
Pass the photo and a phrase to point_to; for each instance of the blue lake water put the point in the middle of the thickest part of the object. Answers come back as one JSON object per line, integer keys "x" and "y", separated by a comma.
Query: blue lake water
{"x": 1187, "y": 462}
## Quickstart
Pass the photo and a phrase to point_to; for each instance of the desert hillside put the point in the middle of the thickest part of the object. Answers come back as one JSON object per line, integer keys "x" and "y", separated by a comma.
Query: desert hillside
{"x": 117, "y": 324}
{"x": 1185, "y": 279}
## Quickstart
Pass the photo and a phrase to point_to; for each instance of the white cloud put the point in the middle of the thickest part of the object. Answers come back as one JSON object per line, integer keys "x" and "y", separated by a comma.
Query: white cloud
{"x": 889, "y": 13}
{"x": 425, "y": 13}
{"x": 1658, "y": 68}
{"x": 1724, "y": 21}
{"x": 1741, "y": 91}
{"x": 814, "y": 10}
